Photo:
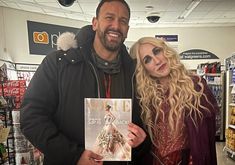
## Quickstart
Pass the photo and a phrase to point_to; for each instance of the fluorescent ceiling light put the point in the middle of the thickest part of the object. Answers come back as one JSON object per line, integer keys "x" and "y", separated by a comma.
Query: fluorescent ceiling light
{"x": 189, "y": 9}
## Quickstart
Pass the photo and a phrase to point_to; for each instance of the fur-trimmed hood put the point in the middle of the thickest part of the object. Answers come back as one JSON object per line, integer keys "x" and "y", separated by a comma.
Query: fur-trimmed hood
{"x": 68, "y": 40}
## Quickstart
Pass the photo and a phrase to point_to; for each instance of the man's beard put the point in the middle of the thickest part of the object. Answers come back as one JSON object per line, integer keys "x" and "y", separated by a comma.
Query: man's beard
{"x": 111, "y": 46}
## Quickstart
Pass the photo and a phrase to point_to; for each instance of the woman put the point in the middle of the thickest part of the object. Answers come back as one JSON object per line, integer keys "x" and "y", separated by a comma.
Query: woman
{"x": 178, "y": 108}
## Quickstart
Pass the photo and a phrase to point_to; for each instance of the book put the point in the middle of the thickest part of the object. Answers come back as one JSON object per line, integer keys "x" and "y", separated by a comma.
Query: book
{"x": 106, "y": 127}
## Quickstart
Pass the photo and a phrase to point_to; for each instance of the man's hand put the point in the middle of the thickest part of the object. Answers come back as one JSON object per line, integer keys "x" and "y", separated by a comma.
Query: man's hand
{"x": 90, "y": 158}
{"x": 136, "y": 135}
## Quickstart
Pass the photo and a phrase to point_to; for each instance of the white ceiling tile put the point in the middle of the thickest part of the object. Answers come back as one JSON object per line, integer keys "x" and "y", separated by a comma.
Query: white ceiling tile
{"x": 2, "y": 3}
{"x": 48, "y": 11}
{"x": 215, "y": 14}
{"x": 45, "y": 1}
{"x": 80, "y": 17}
{"x": 12, "y": 5}
{"x": 200, "y": 14}
{"x": 28, "y": 1}
{"x": 31, "y": 8}
{"x": 88, "y": 7}
{"x": 58, "y": 14}
{"x": 203, "y": 20}
{"x": 232, "y": 20}
{"x": 88, "y": 1}
{"x": 221, "y": 20}
{"x": 75, "y": 7}
{"x": 51, "y": 4}
{"x": 206, "y": 6}
{"x": 225, "y": 5}
{"x": 138, "y": 7}
{"x": 229, "y": 14}
{"x": 207, "y": 11}
{"x": 170, "y": 14}
{"x": 178, "y": 5}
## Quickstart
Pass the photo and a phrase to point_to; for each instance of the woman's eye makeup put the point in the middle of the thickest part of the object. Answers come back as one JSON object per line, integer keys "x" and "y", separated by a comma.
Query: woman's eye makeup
{"x": 147, "y": 59}
{"x": 156, "y": 50}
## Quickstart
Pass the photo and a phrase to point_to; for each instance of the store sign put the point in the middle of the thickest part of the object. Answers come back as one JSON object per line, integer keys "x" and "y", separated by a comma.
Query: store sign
{"x": 168, "y": 38}
{"x": 43, "y": 37}
{"x": 27, "y": 67}
{"x": 197, "y": 54}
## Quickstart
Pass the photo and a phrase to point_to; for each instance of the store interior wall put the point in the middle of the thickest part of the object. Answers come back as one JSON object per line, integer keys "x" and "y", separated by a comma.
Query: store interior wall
{"x": 15, "y": 30}
{"x": 217, "y": 40}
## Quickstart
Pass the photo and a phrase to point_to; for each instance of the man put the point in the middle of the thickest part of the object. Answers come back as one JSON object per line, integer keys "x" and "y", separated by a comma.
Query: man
{"x": 52, "y": 114}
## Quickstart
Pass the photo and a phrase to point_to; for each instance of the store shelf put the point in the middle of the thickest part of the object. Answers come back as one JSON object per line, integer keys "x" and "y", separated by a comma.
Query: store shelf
{"x": 231, "y": 85}
{"x": 232, "y": 104}
{"x": 231, "y": 126}
{"x": 212, "y": 74}
{"x": 213, "y": 83}
{"x": 216, "y": 82}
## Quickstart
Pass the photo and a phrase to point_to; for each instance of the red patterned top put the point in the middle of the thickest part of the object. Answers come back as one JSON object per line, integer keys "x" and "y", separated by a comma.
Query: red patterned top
{"x": 169, "y": 147}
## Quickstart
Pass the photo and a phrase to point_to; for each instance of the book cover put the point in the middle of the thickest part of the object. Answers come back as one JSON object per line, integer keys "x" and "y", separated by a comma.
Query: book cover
{"x": 106, "y": 127}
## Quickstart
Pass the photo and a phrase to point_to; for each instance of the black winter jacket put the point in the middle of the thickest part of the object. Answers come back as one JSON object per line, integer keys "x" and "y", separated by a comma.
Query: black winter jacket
{"x": 52, "y": 112}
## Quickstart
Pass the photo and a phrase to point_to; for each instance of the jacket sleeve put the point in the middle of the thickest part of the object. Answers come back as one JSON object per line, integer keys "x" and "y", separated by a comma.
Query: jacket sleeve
{"x": 143, "y": 150}
{"x": 39, "y": 105}
{"x": 214, "y": 109}
{"x": 202, "y": 137}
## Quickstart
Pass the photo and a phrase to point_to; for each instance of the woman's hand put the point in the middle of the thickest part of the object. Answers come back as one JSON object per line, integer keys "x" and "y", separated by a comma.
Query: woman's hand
{"x": 136, "y": 135}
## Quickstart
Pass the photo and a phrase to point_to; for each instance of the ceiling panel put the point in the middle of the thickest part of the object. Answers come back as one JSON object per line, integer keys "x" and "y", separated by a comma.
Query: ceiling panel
{"x": 207, "y": 13}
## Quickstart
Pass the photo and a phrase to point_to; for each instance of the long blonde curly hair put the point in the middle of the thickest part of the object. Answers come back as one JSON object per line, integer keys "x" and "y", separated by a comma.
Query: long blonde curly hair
{"x": 183, "y": 99}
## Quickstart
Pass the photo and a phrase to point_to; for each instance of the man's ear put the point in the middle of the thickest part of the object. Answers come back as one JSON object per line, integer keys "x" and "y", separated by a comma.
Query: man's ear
{"x": 94, "y": 23}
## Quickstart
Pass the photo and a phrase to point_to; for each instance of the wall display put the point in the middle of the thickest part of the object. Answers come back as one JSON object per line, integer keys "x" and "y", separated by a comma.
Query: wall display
{"x": 8, "y": 69}
{"x": 216, "y": 81}
{"x": 171, "y": 39}
{"x": 18, "y": 150}
{"x": 6, "y": 144}
{"x": 43, "y": 37}
{"x": 24, "y": 75}
{"x": 197, "y": 54}
{"x": 25, "y": 71}
{"x": 230, "y": 62}
{"x": 168, "y": 38}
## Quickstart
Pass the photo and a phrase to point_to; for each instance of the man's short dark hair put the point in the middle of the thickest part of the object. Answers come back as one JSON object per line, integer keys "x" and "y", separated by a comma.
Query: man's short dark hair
{"x": 121, "y": 1}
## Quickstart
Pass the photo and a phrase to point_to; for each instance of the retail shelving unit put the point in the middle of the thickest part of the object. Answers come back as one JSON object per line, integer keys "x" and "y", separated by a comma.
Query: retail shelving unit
{"x": 5, "y": 114}
{"x": 230, "y": 107}
{"x": 216, "y": 82}
{"x": 17, "y": 146}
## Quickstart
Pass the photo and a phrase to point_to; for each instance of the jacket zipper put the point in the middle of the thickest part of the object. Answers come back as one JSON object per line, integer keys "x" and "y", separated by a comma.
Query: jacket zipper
{"x": 132, "y": 85}
{"x": 98, "y": 86}
{"x": 96, "y": 77}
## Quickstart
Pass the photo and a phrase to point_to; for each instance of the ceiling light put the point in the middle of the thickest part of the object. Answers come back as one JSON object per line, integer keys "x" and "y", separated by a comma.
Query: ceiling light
{"x": 189, "y": 9}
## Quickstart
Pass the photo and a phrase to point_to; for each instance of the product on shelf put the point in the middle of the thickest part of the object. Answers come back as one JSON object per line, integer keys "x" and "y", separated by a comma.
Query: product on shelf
{"x": 215, "y": 82}
{"x": 230, "y": 107}
{"x": 230, "y": 138}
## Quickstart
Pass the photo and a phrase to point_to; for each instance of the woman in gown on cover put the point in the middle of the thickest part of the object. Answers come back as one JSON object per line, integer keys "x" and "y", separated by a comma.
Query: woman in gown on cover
{"x": 178, "y": 108}
{"x": 110, "y": 143}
